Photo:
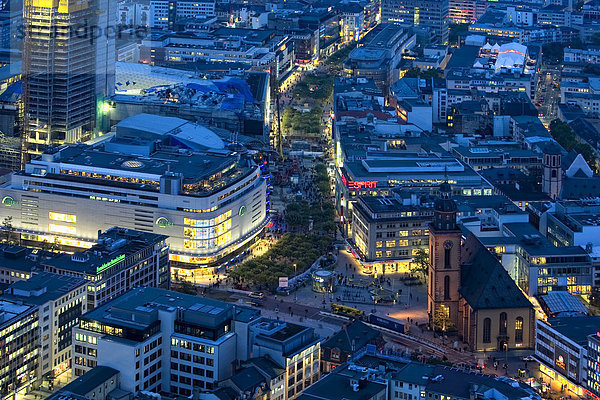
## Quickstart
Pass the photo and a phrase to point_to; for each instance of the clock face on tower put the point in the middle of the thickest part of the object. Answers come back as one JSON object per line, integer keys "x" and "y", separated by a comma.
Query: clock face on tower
{"x": 448, "y": 244}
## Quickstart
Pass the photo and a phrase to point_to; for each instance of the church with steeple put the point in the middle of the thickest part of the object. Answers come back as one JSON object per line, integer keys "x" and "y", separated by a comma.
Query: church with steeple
{"x": 469, "y": 291}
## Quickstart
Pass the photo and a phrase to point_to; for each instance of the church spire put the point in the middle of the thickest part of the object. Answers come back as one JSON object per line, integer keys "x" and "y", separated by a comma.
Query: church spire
{"x": 445, "y": 209}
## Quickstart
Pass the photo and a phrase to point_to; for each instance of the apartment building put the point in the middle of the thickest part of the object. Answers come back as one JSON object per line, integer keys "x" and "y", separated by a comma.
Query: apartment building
{"x": 60, "y": 300}
{"x": 19, "y": 360}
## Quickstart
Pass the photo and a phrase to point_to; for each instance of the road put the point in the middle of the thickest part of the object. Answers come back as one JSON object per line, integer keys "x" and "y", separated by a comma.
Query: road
{"x": 547, "y": 94}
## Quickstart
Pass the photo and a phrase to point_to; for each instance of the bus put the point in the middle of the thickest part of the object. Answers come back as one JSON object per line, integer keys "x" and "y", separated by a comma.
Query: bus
{"x": 346, "y": 311}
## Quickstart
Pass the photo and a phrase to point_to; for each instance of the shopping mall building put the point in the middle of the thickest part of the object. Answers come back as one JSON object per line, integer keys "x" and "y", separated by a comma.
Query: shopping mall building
{"x": 157, "y": 174}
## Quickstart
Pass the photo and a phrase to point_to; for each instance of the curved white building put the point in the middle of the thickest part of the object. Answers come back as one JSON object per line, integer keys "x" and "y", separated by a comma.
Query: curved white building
{"x": 210, "y": 201}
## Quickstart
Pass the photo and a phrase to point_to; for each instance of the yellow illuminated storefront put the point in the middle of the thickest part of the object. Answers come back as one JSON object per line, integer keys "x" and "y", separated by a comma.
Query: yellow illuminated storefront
{"x": 560, "y": 380}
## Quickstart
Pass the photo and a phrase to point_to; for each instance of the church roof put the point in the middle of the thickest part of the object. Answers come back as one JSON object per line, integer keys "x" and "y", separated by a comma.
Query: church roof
{"x": 485, "y": 284}
{"x": 578, "y": 187}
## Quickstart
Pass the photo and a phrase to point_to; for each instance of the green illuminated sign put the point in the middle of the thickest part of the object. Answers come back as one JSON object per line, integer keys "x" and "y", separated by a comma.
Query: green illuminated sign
{"x": 163, "y": 222}
{"x": 242, "y": 210}
{"x": 8, "y": 201}
{"x": 110, "y": 263}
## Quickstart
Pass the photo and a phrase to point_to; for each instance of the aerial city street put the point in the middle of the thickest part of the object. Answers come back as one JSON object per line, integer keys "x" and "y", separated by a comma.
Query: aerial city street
{"x": 300, "y": 199}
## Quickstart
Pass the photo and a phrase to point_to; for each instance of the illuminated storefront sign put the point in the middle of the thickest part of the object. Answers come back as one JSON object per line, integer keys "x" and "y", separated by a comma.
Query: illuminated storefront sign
{"x": 8, "y": 201}
{"x": 110, "y": 263}
{"x": 560, "y": 362}
{"x": 163, "y": 222}
{"x": 362, "y": 185}
{"x": 359, "y": 184}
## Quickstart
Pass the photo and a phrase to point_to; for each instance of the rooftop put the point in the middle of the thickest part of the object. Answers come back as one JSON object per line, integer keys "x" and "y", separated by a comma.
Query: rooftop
{"x": 485, "y": 284}
{"x": 86, "y": 383}
{"x": 10, "y": 309}
{"x": 21, "y": 258}
{"x": 577, "y": 329}
{"x": 563, "y": 303}
{"x": 336, "y": 386}
{"x": 124, "y": 167}
{"x": 458, "y": 383}
{"x": 161, "y": 126}
{"x": 142, "y": 303}
{"x": 42, "y": 288}
{"x": 353, "y": 337}
{"x": 114, "y": 246}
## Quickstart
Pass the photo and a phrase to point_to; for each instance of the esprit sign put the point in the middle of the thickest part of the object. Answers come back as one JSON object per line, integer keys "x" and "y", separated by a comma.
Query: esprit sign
{"x": 354, "y": 185}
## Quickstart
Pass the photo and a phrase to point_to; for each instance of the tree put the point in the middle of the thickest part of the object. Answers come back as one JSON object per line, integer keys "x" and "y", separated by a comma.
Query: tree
{"x": 568, "y": 139}
{"x": 553, "y": 53}
{"x": 441, "y": 319}
{"x": 7, "y": 227}
{"x": 421, "y": 260}
{"x": 185, "y": 287}
{"x": 455, "y": 31}
{"x": 49, "y": 245}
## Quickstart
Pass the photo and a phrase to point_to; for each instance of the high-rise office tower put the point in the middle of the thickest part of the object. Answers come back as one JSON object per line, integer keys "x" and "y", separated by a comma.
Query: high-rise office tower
{"x": 68, "y": 69}
{"x": 430, "y": 14}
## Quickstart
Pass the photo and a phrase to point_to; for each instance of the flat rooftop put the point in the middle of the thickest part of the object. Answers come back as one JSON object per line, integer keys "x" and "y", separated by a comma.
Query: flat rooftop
{"x": 20, "y": 258}
{"x": 42, "y": 288}
{"x": 382, "y": 205}
{"x": 145, "y": 301}
{"x": 114, "y": 246}
{"x": 10, "y": 309}
{"x": 82, "y": 163}
{"x": 576, "y": 329}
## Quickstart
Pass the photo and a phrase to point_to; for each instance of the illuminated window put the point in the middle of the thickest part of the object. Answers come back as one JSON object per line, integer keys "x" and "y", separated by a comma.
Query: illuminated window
{"x": 379, "y": 244}
{"x": 403, "y": 233}
{"x": 223, "y": 239}
{"x": 207, "y": 222}
{"x": 519, "y": 330}
{"x": 70, "y": 230}
{"x": 390, "y": 243}
{"x": 378, "y": 254}
{"x": 62, "y": 217}
{"x": 402, "y": 243}
{"x": 388, "y": 253}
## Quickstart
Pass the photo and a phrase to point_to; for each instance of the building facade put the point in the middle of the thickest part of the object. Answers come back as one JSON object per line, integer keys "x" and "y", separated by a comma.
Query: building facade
{"x": 295, "y": 348}
{"x": 121, "y": 260}
{"x": 159, "y": 340}
{"x": 387, "y": 233}
{"x": 60, "y": 300}
{"x": 469, "y": 291}
{"x": 593, "y": 364}
{"x": 422, "y": 13}
{"x": 562, "y": 349}
{"x": 211, "y": 205}
{"x": 19, "y": 361}
{"x": 66, "y": 75}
